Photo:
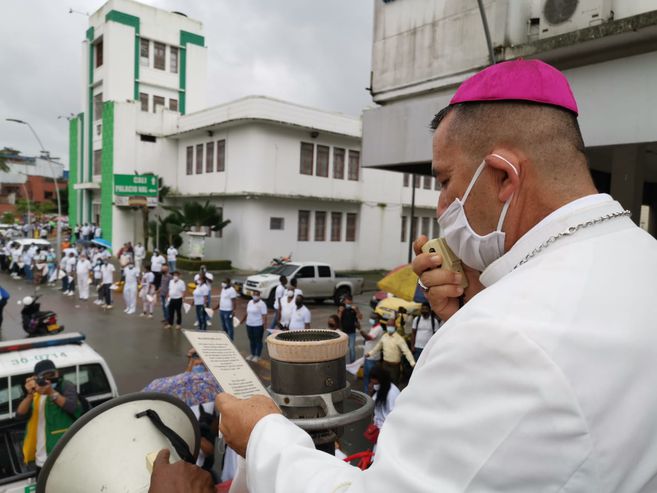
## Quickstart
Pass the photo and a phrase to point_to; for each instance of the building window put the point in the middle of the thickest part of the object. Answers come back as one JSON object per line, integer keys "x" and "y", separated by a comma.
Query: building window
{"x": 436, "y": 184}
{"x": 320, "y": 226}
{"x": 417, "y": 181}
{"x": 307, "y": 151}
{"x": 98, "y": 106}
{"x": 322, "y": 161}
{"x": 427, "y": 182}
{"x": 190, "y": 160}
{"x": 98, "y": 161}
{"x": 403, "y": 228}
{"x": 173, "y": 59}
{"x": 99, "y": 53}
{"x": 173, "y": 104}
{"x": 209, "y": 157}
{"x": 143, "y": 99}
{"x": 338, "y": 163}
{"x": 277, "y": 223}
{"x": 147, "y": 138}
{"x": 158, "y": 102}
{"x": 407, "y": 179}
{"x": 47, "y": 195}
{"x": 426, "y": 222}
{"x": 304, "y": 225}
{"x": 336, "y": 226}
{"x": 199, "y": 159}
{"x": 221, "y": 155}
{"x": 435, "y": 233}
{"x": 354, "y": 164}
{"x": 159, "y": 55}
{"x": 351, "y": 226}
{"x": 143, "y": 52}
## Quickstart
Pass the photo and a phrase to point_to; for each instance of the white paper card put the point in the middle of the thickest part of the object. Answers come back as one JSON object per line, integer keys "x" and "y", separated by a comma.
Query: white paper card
{"x": 224, "y": 361}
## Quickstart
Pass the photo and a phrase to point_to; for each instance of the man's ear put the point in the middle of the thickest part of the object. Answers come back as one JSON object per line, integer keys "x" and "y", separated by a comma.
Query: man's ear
{"x": 510, "y": 168}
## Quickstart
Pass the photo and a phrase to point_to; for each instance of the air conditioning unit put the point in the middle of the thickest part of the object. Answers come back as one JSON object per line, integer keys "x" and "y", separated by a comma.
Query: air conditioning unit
{"x": 563, "y": 16}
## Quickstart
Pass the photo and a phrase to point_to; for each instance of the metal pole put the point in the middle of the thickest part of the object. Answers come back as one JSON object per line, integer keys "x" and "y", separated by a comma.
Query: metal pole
{"x": 45, "y": 153}
{"x": 411, "y": 232}
{"x": 484, "y": 21}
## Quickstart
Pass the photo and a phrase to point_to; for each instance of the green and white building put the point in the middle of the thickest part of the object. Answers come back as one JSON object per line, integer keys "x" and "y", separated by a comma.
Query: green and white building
{"x": 142, "y": 68}
{"x": 287, "y": 176}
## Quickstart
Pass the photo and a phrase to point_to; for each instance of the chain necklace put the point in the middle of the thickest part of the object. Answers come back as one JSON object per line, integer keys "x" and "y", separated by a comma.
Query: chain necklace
{"x": 569, "y": 232}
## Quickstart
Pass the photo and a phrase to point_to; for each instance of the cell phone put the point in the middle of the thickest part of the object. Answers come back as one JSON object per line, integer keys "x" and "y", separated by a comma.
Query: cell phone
{"x": 450, "y": 260}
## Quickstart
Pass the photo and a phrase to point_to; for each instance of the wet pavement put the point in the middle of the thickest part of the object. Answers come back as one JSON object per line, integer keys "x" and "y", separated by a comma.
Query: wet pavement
{"x": 138, "y": 349}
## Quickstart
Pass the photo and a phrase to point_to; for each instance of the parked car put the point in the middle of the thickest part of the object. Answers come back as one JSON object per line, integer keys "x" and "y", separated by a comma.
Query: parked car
{"x": 318, "y": 282}
{"x": 76, "y": 361}
{"x": 25, "y": 243}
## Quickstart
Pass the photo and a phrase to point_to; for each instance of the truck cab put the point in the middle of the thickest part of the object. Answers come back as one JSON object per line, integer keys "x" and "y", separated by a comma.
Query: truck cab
{"x": 76, "y": 361}
{"x": 317, "y": 281}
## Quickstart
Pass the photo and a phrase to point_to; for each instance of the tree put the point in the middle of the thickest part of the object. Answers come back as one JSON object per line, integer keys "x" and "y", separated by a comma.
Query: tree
{"x": 6, "y": 153}
{"x": 194, "y": 215}
{"x": 8, "y": 218}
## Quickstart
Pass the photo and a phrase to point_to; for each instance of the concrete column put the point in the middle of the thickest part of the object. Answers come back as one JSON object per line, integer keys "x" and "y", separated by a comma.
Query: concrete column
{"x": 627, "y": 178}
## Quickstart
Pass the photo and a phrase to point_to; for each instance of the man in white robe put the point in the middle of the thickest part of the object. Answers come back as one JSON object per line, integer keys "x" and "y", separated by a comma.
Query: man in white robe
{"x": 542, "y": 377}
{"x": 83, "y": 269}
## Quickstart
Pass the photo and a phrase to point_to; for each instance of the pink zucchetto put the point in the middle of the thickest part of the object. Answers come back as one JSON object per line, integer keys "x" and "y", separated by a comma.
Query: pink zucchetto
{"x": 518, "y": 80}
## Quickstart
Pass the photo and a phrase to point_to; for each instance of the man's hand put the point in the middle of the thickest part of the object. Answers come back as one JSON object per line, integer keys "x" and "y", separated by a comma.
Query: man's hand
{"x": 30, "y": 385}
{"x": 239, "y": 417}
{"x": 444, "y": 290}
{"x": 178, "y": 477}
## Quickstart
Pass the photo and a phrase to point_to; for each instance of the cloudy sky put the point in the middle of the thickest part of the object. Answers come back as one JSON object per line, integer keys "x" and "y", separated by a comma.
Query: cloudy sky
{"x": 312, "y": 52}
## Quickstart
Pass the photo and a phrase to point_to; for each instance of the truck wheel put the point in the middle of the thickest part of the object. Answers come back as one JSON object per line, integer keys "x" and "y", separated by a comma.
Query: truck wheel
{"x": 340, "y": 293}
{"x": 272, "y": 298}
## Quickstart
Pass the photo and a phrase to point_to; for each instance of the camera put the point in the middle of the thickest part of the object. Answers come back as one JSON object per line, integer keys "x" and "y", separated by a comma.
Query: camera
{"x": 41, "y": 381}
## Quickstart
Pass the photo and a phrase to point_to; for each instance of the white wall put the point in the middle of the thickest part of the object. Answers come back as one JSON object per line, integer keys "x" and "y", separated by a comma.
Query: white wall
{"x": 196, "y": 80}
{"x": 118, "y": 69}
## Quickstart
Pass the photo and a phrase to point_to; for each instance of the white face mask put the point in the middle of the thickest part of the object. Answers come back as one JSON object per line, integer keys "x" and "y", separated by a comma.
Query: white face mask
{"x": 223, "y": 284}
{"x": 376, "y": 387}
{"x": 391, "y": 330}
{"x": 256, "y": 297}
{"x": 373, "y": 322}
{"x": 476, "y": 251}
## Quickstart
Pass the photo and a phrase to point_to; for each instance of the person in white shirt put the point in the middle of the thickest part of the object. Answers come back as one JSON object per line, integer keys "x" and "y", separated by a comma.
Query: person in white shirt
{"x": 424, "y": 327}
{"x": 177, "y": 290}
{"x": 226, "y": 307}
{"x": 281, "y": 289}
{"x": 157, "y": 261}
{"x": 130, "y": 278}
{"x": 285, "y": 306}
{"x": 147, "y": 294}
{"x": 172, "y": 255}
{"x": 371, "y": 337}
{"x": 140, "y": 255}
{"x": 256, "y": 318}
{"x": 96, "y": 268}
{"x": 107, "y": 278}
{"x": 200, "y": 296}
{"x": 84, "y": 232}
{"x": 68, "y": 265}
{"x": 384, "y": 393}
{"x": 82, "y": 271}
{"x": 300, "y": 318}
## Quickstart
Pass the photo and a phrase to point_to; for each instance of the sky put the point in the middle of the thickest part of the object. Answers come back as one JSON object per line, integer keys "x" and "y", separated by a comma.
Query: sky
{"x": 311, "y": 52}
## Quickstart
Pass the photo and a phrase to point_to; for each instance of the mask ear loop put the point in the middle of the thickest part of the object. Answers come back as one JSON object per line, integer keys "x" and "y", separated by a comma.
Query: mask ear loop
{"x": 473, "y": 181}
{"x": 506, "y": 204}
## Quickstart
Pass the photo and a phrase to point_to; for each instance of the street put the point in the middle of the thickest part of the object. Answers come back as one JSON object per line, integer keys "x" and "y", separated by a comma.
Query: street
{"x": 138, "y": 349}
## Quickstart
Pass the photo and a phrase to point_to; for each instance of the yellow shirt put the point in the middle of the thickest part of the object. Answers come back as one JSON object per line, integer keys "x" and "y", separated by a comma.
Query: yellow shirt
{"x": 393, "y": 347}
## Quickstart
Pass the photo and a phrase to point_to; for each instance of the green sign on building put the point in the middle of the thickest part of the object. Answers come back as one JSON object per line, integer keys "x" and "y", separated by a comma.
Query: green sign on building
{"x": 135, "y": 185}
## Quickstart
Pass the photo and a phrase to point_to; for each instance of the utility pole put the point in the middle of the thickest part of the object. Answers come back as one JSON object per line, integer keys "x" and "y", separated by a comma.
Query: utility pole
{"x": 411, "y": 229}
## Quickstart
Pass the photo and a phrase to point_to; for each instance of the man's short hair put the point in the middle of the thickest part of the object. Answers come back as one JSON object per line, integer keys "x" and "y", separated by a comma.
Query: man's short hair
{"x": 550, "y": 135}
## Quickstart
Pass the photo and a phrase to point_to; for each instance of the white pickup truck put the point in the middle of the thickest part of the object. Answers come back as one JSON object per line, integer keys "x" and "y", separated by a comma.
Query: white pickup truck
{"x": 317, "y": 281}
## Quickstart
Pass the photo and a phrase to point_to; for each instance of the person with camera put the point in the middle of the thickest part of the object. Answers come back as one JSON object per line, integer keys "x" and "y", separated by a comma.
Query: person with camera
{"x": 51, "y": 405}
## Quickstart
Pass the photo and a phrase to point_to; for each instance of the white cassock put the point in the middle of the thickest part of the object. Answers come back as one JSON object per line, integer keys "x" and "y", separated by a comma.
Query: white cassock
{"x": 83, "y": 268}
{"x": 130, "y": 288}
{"x": 544, "y": 381}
